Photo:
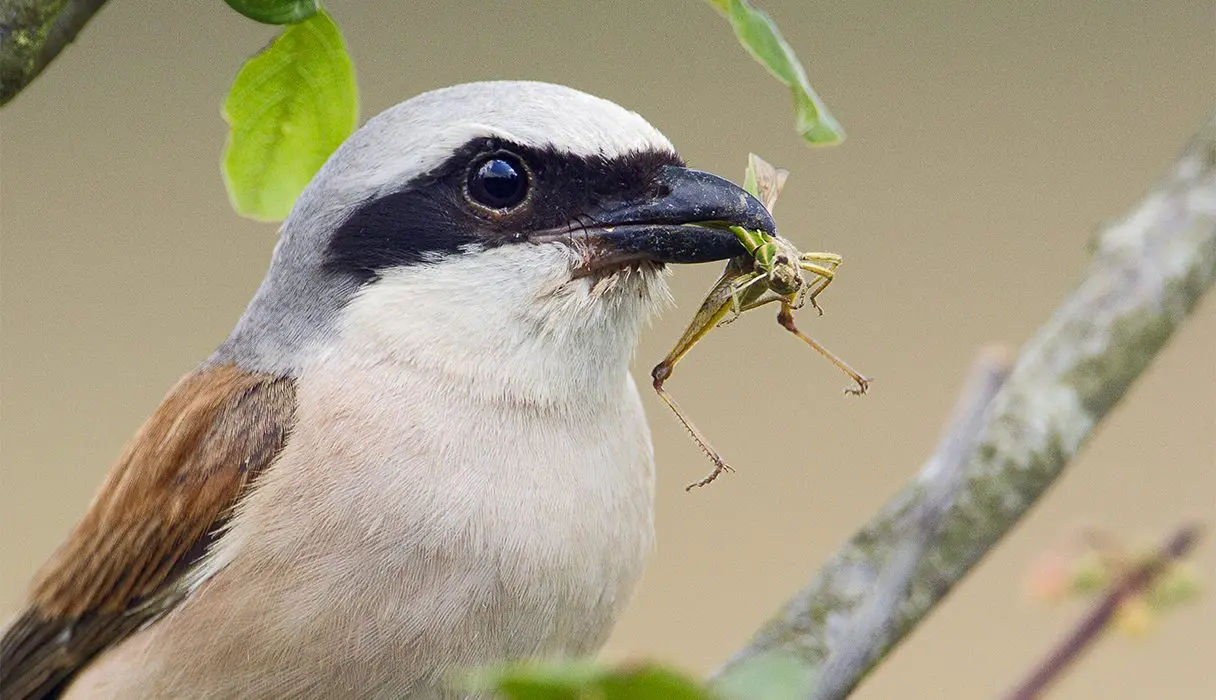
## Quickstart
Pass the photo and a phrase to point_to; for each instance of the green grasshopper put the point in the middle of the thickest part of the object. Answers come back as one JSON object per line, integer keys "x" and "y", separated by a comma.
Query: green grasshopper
{"x": 772, "y": 271}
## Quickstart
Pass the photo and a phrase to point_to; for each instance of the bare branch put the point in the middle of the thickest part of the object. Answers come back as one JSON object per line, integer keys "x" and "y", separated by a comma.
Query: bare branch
{"x": 1148, "y": 273}
{"x": 32, "y": 33}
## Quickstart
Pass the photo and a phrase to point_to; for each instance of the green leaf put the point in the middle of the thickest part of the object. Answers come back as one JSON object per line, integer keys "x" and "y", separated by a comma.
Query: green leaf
{"x": 551, "y": 680}
{"x": 276, "y": 11}
{"x": 758, "y": 34}
{"x": 650, "y": 682}
{"x": 772, "y": 675}
{"x": 289, "y": 108}
{"x": 580, "y": 680}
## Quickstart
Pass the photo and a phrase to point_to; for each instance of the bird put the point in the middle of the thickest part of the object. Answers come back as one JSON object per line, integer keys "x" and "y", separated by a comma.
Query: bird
{"x": 420, "y": 449}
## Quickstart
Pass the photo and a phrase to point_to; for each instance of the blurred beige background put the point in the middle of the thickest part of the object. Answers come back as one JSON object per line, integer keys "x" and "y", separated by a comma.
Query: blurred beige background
{"x": 986, "y": 143}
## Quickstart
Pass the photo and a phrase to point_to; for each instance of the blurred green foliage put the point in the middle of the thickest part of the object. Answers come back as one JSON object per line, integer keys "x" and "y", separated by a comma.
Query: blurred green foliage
{"x": 770, "y": 676}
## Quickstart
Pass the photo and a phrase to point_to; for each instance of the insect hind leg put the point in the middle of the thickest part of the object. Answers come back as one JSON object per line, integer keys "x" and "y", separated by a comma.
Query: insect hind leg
{"x": 737, "y": 303}
{"x": 660, "y": 375}
{"x": 785, "y": 317}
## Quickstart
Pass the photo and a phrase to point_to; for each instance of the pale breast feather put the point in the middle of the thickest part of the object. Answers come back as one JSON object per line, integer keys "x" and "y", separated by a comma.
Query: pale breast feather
{"x": 163, "y": 502}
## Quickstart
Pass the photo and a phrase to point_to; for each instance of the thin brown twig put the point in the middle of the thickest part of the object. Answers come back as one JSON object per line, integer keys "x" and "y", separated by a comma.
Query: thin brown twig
{"x": 1090, "y": 627}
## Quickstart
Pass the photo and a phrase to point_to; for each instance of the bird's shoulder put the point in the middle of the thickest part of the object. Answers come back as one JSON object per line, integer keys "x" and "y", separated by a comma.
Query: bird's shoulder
{"x": 161, "y": 505}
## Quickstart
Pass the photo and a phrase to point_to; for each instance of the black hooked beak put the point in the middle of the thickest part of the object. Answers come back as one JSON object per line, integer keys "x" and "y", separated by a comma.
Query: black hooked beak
{"x": 687, "y": 223}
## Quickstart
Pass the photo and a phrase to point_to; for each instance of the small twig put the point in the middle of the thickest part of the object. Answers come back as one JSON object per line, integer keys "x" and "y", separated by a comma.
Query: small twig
{"x": 938, "y": 479}
{"x": 1092, "y": 625}
{"x": 32, "y": 33}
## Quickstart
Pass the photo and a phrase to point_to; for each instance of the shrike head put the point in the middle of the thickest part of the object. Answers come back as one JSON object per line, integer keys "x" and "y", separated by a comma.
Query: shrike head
{"x": 483, "y": 216}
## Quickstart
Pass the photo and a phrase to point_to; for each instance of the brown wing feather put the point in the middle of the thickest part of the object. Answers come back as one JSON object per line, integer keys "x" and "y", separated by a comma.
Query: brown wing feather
{"x": 157, "y": 511}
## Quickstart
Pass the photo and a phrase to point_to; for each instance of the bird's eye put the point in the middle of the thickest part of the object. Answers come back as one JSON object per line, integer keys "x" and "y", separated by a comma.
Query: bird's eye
{"x": 498, "y": 182}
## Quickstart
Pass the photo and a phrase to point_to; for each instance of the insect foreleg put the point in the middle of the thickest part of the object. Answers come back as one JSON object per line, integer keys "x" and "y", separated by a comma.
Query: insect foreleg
{"x": 827, "y": 259}
{"x": 825, "y": 272}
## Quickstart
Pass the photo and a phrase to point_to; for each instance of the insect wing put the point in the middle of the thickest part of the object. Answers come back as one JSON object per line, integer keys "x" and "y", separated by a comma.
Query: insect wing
{"x": 766, "y": 180}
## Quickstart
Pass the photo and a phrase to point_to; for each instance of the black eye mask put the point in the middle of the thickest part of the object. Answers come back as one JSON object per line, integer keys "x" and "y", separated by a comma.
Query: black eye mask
{"x": 450, "y": 207}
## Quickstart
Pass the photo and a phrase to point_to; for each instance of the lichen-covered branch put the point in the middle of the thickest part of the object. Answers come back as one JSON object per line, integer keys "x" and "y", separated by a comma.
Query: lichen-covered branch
{"x": 1148, "y": 272}
{"x": 920, "y": 520}
{"x": 32, "y": 33}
